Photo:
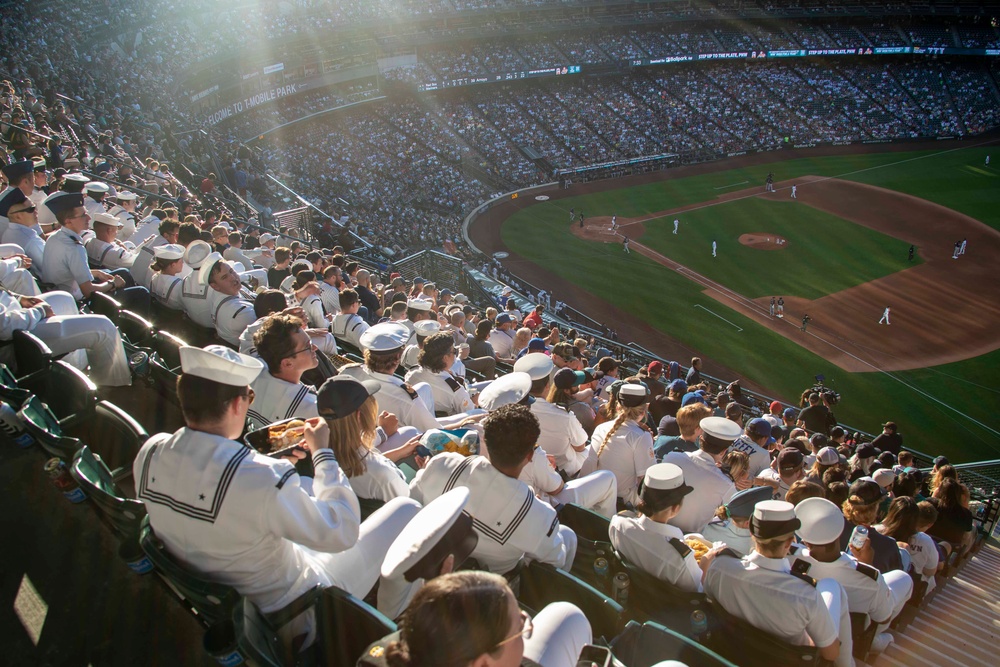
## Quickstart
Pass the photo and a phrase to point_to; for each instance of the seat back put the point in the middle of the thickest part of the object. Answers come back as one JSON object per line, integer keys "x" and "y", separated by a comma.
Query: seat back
{"x": 123, "y": 514}
{"x": 33, "y": 357}
{"x": 102, "y": 304}
{"x": 651, "y": 598}
{"x": 749, "y": 646}
{"x": 862, "y": 633}
{"x": 168, "y": 348}
{"x": 135, "y": 329}
{"x": 650, "y": 643}
{"x": 113, "y": 434}
{"x": 69, "y": 393}
{"x": 39, "y": 421}
{"x": 585, "y": 523}
{"x": 542, "y": 584}
{"x": 210, "y": 601}
{"x": 347, "y": 626}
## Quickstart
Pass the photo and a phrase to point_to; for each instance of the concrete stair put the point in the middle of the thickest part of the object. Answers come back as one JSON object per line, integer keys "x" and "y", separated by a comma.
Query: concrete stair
{"x": 958, "y": 625}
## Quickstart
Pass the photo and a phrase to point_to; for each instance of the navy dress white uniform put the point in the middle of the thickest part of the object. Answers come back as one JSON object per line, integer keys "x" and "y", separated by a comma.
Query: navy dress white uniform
{"x": 127, "y": 217}
{"x": 349, "y": 328}
{"x": 243, "y": 518}
{"x": 561, "y": 430}
{"x": 654, "y": 547}
{"x": 411, "y": 355}
{"x": 450, "y": 397}
{"x": 92, "y": 205}
{"x": 143, "y": 259}
{"x": 629, "y": 451}
{"x": 739, "y": 507}
{"x": 13, "y": 276}
{"x": 278, "y": 399}
{"x": 166, "y": 288}
{"x": 109, "y": 255}
{"x": 880, "y": 596}
{"x": 194, "y": 294}
{"x": 764, "y": 592}
{"x": 510, "y": 521}
{"x": 597, "y": 491}
{"x": 312, "y": 305}
{"x": 712, "y": 488}
{"x": 231, "y": 313}
{"x": 330, "y": 296}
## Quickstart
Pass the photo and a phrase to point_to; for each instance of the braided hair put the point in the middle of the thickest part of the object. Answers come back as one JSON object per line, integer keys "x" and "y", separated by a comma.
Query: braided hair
{"x": 624, "y": 414}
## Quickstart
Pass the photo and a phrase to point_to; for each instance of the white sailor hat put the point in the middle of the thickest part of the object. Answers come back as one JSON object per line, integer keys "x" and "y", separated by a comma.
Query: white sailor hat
{"x": 170, "y": 251}
{"x": 822, "y": 521}
{"x": 385, "y": 337}
{"x": 96, "y": 186}
{"x": 220, "y": 364}
{"x": 205, "y": 270}
{"x": 536, "y": 365}
{"x": 632, "y": 395}
{"x": 76, "y": 178}
{"x": 106, "y": 219}
{"x": 418, "y": 304}
{"x": 460, "y": 298}
{"x": 720, "y": 428}
{"x": 427, "y": 328}
{"x": 196, "y": 253}
{"x": 439, "y": 530}
{"x": 267, "y": 238}
{"x": 772, "y": 518}
{"x": 125, "y": 195}
{"x": 506, "y": 390}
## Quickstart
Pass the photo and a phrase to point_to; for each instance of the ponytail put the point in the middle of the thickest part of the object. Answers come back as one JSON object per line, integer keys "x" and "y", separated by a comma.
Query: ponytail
{"x": 624, "y": 415}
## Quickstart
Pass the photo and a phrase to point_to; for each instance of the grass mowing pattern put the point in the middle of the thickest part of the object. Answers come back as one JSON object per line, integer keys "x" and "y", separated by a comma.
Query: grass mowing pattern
{"x": 664, "y": 299}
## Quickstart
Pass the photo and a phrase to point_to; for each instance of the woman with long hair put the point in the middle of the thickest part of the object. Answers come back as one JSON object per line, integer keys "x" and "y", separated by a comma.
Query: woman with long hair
{"x": 954, "y": 521}
{"x": 946, "y": 471}
{"x": 826, "y": 458}
{"x": 351, "y": 412}
{"x": 860, "y": 464}
{"x": 472, "y": 618}
{"x": 623, "y": 446}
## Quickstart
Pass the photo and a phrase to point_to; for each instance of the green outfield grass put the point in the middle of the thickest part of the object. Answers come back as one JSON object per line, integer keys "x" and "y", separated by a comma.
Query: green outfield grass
{"x": 916, "y": 400}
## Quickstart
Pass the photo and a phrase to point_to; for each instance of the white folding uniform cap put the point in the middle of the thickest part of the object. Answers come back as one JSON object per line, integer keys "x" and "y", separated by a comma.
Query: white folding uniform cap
{"x": 106, "y": 219}
{"x": 385, "y": 337}
{"x": 505, "y": 390}
{"x": 171, "y": 251}
{"x": 196, "y": 254}
{"x": 125, "y": 195}
{"x": 460, "y": 298}
{"x": 267, "y": 238}
{"x": 205, "y": 270}
{"x": 721, "y": 428}
{"x": 427, "y": 327}
{"x": 424, "y": 531}
{"x": 822, "y": 521}
{"x": 633, "y": 395}
{"x": 96, "y": 186}
{"x": 418, "y": 304}
{"x": 220, "y": 364}
{"x": 76, "y": 178}
{"x": 535, "y": 365}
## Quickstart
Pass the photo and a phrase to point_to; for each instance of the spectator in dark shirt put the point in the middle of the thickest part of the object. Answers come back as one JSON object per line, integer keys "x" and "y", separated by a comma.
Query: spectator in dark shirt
{"x": 694, "y": 373}
{"x": 861, "y": 509}
{"x": 651, "y": 376}
{"x": 368, "y": 298}
{"x": 667, "y": 404}
{"x": 954, "y": 522}
{"x": 889, "y": 440}
{"x": 814, "y": 417}
{"x": 281, "y": 268}
{"x": 479, "y": 343}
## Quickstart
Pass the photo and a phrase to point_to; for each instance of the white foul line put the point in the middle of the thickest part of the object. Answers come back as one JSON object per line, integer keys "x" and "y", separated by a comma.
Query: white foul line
{"x": 698, "y": 305}
{"x": 723, "y": 187}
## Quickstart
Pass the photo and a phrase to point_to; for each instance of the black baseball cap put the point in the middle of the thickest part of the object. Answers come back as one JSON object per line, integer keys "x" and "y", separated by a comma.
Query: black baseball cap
{"x": 342, "y": 395}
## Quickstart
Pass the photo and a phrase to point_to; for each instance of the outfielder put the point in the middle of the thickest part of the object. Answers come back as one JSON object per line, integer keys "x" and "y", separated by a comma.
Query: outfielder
{"x": 676, "y": 225}
{"x": 625, "y": 246}
{"x": 714, "y": 247}
{"x": 961, "y": 248}
{"x": 794, "y": 187}
{"x": 885, "y": 316}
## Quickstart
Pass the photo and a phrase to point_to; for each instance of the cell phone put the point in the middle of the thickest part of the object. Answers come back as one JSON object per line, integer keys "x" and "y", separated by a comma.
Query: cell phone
{"x": 423, "y": 451}
{"x": 594, "y": 656}
{"x": 288, "y": 451}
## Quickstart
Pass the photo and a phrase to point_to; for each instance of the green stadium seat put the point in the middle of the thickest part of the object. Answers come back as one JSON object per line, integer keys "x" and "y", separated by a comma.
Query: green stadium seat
{"x": 69, "y": 393}
{"x": 592, "y": 537}
{"x": 347, "y": 626}
{"x": 209, "y": 601}
{"x": 647, "y": 644}
{"x": 167, "y": 348}
{"x": 44, "y": 427}
{"x": 122, "y": 513}
{"x": 541, "y": 584}
{"x": 585, "y": 523}
{"x": 652, "y": 599}
{"x": 748, "y": 646}
{"x": 102, "y": 304}
{"x": 33, "y": 358}
{"x": 114, "y": 435}
{"x": 135, "y": 329}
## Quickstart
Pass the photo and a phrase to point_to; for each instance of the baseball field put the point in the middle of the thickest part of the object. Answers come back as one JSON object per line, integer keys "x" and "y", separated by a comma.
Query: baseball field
{"x": 838, "y": 251}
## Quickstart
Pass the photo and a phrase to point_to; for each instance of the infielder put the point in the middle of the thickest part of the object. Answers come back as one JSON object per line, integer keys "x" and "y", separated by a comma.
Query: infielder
{"x": 885, "y": 316}
{"x": 805, "y": 321}
{"x": 961, "y": 248}
{"x": 781, "y": 306}
{"x": 958, "y": 247}
{"x": 793, "y": 191}
{"x": 614, "y": 222}
{"x": 772, "y": 306}
{"x": 714, "y": 247}
{"x": 625, "y": 245}
{"x": 676, "y": 225}
{"x": 572, "y": 214}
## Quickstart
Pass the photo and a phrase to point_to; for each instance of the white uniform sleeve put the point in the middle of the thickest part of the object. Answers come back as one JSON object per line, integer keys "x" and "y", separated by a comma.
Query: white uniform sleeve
{"x": 577, "y": 436}
{"x": 541, "y": 476}
{"x": 329, "y": 521}
{"x": 820, "y": 626}
{"x": 882, "y": 603}
{"x": 642, "y": 454}
{"x": 547, "y": 546}
{"x": 18, "y": 319}
{"x": 418, "y": 416}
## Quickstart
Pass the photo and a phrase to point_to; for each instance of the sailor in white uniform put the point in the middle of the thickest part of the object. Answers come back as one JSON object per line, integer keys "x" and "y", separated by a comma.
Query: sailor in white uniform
{"x": 562, "y": 437}
{"x": 711, "y": 486}
{"x": 306, "y": 291}
{"x": 148, "y": 226}
{"x": 166, "y": 285}
{"x": 347, "y": 325}
{"x": 596, "y": 491}
{"x": 56, "y": 320}
{"x": 731, "y": 526}
{"x": 231, "y": 313}
{"x": 763, "y": 590}
{"x": 124, "y": 210}
{"x": 288, "y": 352}
{"x": 243, "y": 518}
{"x": 645, "y": 538}
{"x": 22, "y": 215}
{"x": 194, "y": 294}
{"x": 879, "y": 596}
{"x": 14, "y": 273}
{"x": 94, "y": 201}
{"x": 436, "y": 358}
{"x": 104, "y": 249}
{"x": 423, "y": 329}
{"x": 510, "y": 522}
{"x": 167, "y": 232}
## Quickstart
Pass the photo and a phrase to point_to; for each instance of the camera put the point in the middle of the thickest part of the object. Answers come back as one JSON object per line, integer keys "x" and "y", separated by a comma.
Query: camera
{"x": 827, "y": 394}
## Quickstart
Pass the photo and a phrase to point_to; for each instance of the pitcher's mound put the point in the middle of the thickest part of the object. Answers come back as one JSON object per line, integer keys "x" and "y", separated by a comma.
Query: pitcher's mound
{"x": 764, "y": 241}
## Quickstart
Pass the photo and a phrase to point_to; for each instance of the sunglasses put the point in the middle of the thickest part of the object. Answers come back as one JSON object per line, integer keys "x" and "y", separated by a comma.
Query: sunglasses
{"x": 30, "y": 209}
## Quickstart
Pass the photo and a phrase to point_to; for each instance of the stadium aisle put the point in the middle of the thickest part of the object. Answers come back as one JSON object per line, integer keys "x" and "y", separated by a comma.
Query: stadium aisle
{"x": 98, "y": 612}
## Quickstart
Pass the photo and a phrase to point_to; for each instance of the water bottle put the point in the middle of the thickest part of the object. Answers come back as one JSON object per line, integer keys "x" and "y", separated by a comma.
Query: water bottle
{"x": 12, "y": 427}
{"x": 699, "y": 625}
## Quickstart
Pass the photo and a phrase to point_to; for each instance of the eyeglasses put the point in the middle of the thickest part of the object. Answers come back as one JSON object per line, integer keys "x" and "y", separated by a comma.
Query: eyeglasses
{"x": 311, "y": 348}
{"x": 30, "y": 209}
{"x": 527, "y": 627}
{"x": 77, "y": 217}
{"x": 250, "y": 395}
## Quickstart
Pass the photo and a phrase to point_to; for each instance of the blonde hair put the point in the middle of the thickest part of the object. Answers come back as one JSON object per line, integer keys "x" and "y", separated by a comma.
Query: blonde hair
{"x": 624, "y": 415}
{"x": 772, "y": 547}
{"x": 738, "y": 462}
{"x": 352, "y": 437}
{"x": 521, "y": 339}
{"x": 689, "y": 418}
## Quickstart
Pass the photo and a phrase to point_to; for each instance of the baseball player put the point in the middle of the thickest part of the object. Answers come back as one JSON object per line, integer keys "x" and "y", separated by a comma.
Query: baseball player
{"x": 769, "y": 184}
{"x": 572, "y": 214}
{"x": 676, "y": 225}
{"x": 912, "y": 250}
{"x": 614, "y": 222}
{"x": 885, "y": 316}
{"x": 625, "y": 245}
{"x": 961, "y": 248}
{"x": 781, "y": 306}
{"x": 805, "y": 321}
{"x": 714, "y": 247}
{"x": 772, "y": 306}
{"x": 958, "y": 248}
{"x": 794, "y": 188}
{"x": 987, "y": 160}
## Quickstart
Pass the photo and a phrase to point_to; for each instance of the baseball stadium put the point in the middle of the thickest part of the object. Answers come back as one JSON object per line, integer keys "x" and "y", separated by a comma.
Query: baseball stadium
{"x": 551, "y": 333}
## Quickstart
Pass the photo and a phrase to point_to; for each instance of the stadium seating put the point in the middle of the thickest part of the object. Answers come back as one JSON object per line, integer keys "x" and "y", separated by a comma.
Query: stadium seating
{"x": 124, "y": 514}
